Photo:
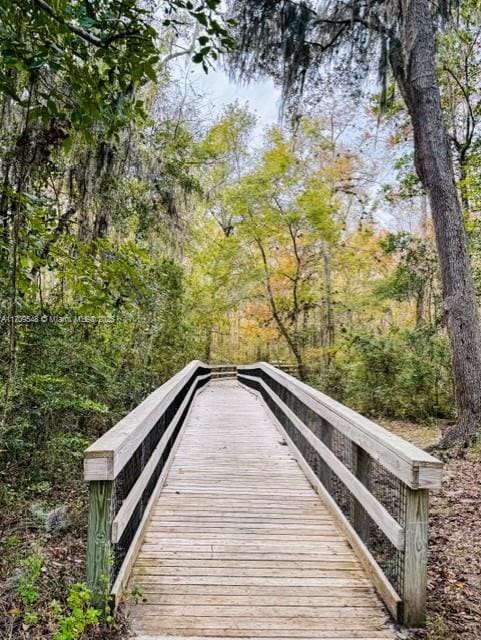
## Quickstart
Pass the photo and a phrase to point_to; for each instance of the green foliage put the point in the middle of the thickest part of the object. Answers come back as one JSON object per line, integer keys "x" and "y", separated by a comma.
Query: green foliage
{"x": 73, "y": 619}
{"x": 70, "y": 617}
{"x": 284, "y": 211}
{"x": 136, "y": 593}
{"x": 30, "y": 618}
{"x": 134, "y": 238}
{"x": 82, "y": 63}
{"x": 415, "y": 269}
{"x": 400, "y": 374}
{"x": 76, "y": 376}
{"x": 28, "y": 588}
{"x": 83, "y": 59}
{"x": 79, "y": 615}
{"x": 215, "y": 37}
{"x": 11, "y": 542}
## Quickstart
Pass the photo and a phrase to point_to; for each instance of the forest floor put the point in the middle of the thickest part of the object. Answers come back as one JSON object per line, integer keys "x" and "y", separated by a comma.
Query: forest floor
{"x": 454, "y": 561}
{"x": 38, "y": 567}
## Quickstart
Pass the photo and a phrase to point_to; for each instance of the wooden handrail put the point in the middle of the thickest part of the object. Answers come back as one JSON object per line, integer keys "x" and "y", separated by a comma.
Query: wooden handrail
{"x": 105, "y": 458}
{"x": 135, "y": 440}
{"x": 412, "y": 465}
{"x": 376, "y": 510}
{"x": 127, "y": 467}
{"x": 125, "y": 512}
{"x": 416, "y": 470}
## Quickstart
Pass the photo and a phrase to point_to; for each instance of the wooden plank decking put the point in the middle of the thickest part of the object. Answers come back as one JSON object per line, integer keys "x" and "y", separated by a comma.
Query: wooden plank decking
{"x": 240, "y": 545}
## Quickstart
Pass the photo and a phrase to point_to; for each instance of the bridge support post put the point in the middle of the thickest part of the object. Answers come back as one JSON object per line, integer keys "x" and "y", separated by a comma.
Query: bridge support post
{"x": 99, "y": 549}
{"x": 361, "y": 468}
{"x": 415, "y": 557}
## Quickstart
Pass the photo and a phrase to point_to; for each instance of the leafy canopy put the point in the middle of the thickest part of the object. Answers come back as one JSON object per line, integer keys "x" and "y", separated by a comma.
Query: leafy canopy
{"x": 81, "y": 61}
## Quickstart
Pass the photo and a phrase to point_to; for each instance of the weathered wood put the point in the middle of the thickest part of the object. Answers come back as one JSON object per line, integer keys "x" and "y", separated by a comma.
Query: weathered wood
{"x": 269, "y": 611}
{"x": 186, "y": 626}
{"x": 332, "y": 592}
{"x": 253, "y": 600}
{"x": 233, "y": 540}
{"x": 411, "y": 608}
{"x": 412, "y": 465}
{"x": 106, "y": 457}
{"x": 125, "y": 512}
{"x": 99, "y": 551}
{"x": 318, "y": 634}
{"x": 239, "y": 545}
{"x": 126, "y": 568}
{"x": 376, "y": 510}
{"x": 361, "y": 465}
{"x": 415, "y": 557}
{"x": 391, "y": 599}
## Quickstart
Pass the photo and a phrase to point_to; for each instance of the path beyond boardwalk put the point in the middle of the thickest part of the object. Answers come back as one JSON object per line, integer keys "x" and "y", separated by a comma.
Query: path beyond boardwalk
{"x": 240, "y": 545}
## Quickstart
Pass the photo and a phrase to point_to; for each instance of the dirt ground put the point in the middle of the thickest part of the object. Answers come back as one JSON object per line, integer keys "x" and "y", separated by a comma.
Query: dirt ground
{"x": 454, "y": 564}
{"x": 42, "y": 591}
{"x": 454, "y": 571}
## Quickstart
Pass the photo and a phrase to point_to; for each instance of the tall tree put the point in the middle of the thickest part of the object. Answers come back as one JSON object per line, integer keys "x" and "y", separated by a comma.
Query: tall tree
{"x": 71, "y": 88}
{"x": 293, "y": 41}
{"x": 285, "y": 211}
{"x": 459, "y": 63}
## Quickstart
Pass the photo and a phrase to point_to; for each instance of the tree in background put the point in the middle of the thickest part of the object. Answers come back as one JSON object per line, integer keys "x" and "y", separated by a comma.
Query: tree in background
{"x": 217, "y": 270}
{"x": 72, "y": 103}
{"x": 286, "y": 211}
{"x": 459, "y": 67}
{"x": 293, "y": 42}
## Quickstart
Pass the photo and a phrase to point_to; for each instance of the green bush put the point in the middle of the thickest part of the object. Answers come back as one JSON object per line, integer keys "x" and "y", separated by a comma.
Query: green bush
{"x": 74, "y": 381}
{"x": 28, "y": 584}
{"x": 398, "y": 374}
{"x": 79, "y": 615}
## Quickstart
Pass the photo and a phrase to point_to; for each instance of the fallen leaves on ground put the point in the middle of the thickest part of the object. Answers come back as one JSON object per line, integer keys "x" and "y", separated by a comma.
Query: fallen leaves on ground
{"x": 454, "y": 562}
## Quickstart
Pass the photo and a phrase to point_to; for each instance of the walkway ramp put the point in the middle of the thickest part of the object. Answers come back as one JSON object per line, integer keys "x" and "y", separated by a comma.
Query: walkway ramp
{"x": 239, "y": 545}
{"x": 239, "y": 502}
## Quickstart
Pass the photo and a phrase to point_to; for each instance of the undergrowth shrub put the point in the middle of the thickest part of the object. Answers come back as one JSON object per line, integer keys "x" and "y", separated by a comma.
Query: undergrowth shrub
{"x": 402, "y": 374}
{"x": 79, "y": 614}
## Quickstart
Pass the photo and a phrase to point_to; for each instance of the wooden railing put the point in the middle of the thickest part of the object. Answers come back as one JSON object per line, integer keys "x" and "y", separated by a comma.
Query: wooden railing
{"x": 126, "y": 469}
{"x": 374, "y": 483}
{"x": 287, "y": 367}
{"x": 223, "y": 371}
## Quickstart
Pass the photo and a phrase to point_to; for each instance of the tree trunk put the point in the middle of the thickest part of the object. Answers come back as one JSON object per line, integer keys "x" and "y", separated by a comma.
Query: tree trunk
{"x": 463, "y": 188}
{"x": 328, "y": 312}
{"x": 420, "y": 306}
{"x": 208, "y": 345}
{"x": 415, "y": 73}
{"x": 291, "y": 341}
{"x": 301, "y": 367}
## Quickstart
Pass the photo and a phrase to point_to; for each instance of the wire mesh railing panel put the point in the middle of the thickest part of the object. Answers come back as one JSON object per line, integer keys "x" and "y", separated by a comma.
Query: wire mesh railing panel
{"x": 389, "y": 491}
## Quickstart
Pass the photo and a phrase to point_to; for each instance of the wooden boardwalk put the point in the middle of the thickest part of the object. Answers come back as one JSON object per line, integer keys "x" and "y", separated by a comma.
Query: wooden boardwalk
{"x": 240, "y": 546}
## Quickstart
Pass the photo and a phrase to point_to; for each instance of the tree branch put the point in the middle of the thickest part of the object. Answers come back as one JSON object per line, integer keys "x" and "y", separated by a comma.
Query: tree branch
{"x": 183, "y": 52}
{"x": 85, "y": 35}
{"x": 471, "y": 120}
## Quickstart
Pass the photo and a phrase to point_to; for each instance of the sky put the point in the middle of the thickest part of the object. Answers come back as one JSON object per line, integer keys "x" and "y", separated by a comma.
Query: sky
{"x": 262, "y": 97}
{"x": 218, "y": 90}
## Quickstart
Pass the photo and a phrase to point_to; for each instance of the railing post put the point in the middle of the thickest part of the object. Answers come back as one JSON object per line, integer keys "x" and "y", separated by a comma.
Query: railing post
{"x": 99, "y": 549}
{"x": 361, "y": 465}
{"x": 415, "y": 557}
